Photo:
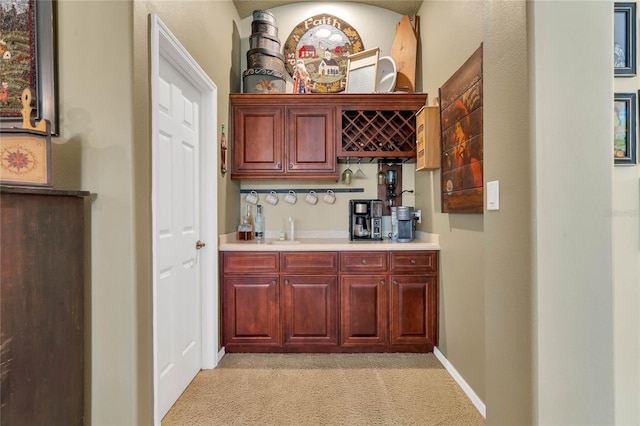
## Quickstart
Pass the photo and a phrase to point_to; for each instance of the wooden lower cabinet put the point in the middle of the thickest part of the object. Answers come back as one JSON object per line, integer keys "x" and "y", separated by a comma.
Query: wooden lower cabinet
{"x": 413, "y": 310}
{"x": 252, "y": 310}
{"x": 310, "y": 307}
{"x": 363, "y": 310}
{"x": 369, "y": 301}
{"x": 42, "y": 306}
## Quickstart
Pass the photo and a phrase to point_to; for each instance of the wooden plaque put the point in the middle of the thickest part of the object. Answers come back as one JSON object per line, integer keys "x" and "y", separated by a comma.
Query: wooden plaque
{"x": 461, "y": 138}
{"x": 25, "y": 158}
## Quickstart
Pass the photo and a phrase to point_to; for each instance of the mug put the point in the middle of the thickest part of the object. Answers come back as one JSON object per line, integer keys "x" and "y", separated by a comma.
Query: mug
{"x": 329, "y": 197}
{"x": 312, "y": 197}
{"x": 252, "y": 197}
{"x": 272, "y": 198}
{"x": 291, "y": 197}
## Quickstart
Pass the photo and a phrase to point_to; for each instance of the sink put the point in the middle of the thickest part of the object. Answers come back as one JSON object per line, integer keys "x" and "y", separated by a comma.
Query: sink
{"x": 284, "y": 242}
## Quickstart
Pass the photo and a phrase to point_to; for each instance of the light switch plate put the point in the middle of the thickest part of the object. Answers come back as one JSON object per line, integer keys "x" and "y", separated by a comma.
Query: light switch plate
{"x": 493, "y": 195}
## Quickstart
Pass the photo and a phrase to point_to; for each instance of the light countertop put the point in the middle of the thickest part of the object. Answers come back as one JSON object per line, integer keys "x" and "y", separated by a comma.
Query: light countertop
{"x": 326, "y": 241}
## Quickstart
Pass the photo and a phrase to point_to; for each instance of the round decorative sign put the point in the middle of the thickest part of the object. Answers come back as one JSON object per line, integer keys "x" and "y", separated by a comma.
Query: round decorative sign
{"x": 323, "y": 43}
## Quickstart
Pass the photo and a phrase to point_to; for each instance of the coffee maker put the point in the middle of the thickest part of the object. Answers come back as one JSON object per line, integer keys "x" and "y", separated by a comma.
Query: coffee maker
{"x": 406, "y": 224}
{"x": 365, "y": 220}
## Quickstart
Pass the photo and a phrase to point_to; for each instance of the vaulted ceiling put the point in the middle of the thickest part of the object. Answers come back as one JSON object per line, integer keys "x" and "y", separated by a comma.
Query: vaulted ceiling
{"x": 404, "y": 7}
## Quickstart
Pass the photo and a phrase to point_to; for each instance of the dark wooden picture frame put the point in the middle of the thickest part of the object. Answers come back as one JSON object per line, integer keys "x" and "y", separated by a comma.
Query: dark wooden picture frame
{"x": 624, "y": 38}
{"x": 40, "y": 57}
{"x": 461, "y": 138}
{"x": 624, "y": 129}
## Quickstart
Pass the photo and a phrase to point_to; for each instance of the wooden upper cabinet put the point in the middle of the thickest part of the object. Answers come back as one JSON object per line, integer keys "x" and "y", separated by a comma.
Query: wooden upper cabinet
{"x": 311, "y": 141}
{"x": 304, "y": 136}
{"x": 258, "y": 140}
{"x": 277, "y": 137}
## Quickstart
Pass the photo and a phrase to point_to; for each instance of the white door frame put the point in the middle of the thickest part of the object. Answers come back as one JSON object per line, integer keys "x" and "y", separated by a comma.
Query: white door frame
{"x": 164, "y": 44}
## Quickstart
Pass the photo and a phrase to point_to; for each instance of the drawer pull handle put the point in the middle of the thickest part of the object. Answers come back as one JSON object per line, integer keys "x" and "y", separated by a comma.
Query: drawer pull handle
{"x": 413, "y": 261}
{"x": 286, "y": 282}
{"x": 395, "y": 282}
{"x": 381, "y": 282}
{"x": 364, "y": 261}
{"x": 273, "y": 282}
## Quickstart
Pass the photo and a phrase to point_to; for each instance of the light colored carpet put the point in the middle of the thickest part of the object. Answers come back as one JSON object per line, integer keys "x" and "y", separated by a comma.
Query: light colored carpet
{"x": 324, "y": 389}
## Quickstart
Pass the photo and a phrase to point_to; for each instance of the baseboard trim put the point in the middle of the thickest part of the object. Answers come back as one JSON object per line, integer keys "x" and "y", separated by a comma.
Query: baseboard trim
{"x": 477, "y": 402}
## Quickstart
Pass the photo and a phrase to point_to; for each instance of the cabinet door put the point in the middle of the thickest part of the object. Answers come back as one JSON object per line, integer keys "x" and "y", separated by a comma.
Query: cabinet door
{"x": 251, "y": 310}
{"x": 414, "y": 311}
{"x": 311, "y": 140}
{"x": 310, "y": 309}
{"x": 258, "y": 141}
{"x": 363, "y": 310}
{"x": 41, "y": 309}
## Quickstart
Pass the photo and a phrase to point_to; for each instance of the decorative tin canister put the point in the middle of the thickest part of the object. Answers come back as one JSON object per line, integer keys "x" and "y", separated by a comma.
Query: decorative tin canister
{"x": 263, "y": 15}
{"x": 260, "y": 80}
{"x": 264, "y": 27}
{"x": 263, "y": 58}
{"x": 264, "y": 41}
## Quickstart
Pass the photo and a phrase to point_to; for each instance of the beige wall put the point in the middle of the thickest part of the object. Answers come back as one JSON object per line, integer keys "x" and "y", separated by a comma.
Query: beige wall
{"x": 509, "y": 240}
{"x": 573, "y": 179}
{"x": 96, "y": 111}
{"x": 626, "y": 271}
{"x": 450, "y": 33}
{"x": 104, "y": 148}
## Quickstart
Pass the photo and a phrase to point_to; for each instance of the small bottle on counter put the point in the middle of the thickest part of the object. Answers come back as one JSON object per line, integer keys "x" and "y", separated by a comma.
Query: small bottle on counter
{"x": 249, "y": 218}
{"x": 244, "y": 230}
{"x": 259, "y": 224}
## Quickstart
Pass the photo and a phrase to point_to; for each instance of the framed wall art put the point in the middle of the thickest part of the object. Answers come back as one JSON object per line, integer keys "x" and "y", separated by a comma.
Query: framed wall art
{"x": 28, "y": 51}
{"x": 324, "y": 44}
{"x": 624, "y": 129}
{"x": 462, "y": 138}
{"x": 624, "y": 39}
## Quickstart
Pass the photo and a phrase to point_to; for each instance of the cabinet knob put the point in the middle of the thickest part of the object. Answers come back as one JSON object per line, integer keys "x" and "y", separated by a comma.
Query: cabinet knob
{"x": 413, "y": 261}
{"x": 273, "y": 282}
{"x": 279, "y": 165}
{"x": 395, "y": 282}
{"x": 364, "y": 261}
{"x": 286, "y": 282}
{"x": 381, "y": 282}
{"x": 291, "y": 165}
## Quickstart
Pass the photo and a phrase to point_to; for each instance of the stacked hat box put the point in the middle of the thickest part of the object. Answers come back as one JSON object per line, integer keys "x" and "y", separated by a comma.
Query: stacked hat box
{"x": 265, "y": 64}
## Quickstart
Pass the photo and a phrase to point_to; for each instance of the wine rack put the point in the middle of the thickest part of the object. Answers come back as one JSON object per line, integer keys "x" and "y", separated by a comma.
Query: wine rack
{"x": 375, "y": 133}
{"x": 384, "y": 126}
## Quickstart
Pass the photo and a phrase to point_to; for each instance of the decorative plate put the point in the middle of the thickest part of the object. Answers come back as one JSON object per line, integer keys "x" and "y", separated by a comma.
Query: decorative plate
{"x": 324, "y": 43}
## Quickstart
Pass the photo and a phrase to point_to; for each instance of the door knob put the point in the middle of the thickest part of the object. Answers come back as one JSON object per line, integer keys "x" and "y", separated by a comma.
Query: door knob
{"x": 199, "y": 245}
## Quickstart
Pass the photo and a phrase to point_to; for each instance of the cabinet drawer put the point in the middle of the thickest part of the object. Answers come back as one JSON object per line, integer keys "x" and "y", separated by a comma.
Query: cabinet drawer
{"x": 249, "y": 262}
{"x": 414, "y": 261}
{"x": 363, "y": 261}
{"x": 323, "y": 262}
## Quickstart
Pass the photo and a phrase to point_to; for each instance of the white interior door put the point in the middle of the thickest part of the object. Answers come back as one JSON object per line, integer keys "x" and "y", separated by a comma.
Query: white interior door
{"x": 184, "y": 192}
{"x": 177, "y": 231}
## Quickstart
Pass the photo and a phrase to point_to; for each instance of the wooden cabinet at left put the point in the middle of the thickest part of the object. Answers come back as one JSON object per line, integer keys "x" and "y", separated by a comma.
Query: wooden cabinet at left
{"x": 42, "y": 306}
{"x": 283, "y": 137}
